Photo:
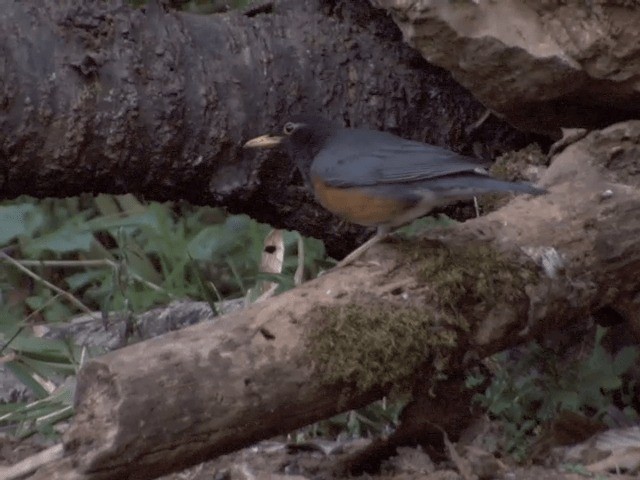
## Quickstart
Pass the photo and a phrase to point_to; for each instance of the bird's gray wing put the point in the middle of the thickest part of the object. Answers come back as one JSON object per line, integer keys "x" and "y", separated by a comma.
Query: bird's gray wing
{"x": 355, "y": 157}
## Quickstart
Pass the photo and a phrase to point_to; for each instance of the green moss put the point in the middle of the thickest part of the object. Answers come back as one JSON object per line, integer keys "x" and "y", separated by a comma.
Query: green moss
{"x": 378, "y": 344}
{"x": 384, "y": 343}
{"x": 511, "y": 166}
{"x": 470, "y": 277}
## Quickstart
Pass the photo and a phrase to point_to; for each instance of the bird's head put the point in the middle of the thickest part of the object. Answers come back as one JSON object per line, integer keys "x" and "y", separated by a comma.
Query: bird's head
{"x": 303, "y": 136}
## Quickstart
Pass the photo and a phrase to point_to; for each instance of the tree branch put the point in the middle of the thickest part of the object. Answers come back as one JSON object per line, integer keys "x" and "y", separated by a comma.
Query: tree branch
{"x": 561, "y": 73}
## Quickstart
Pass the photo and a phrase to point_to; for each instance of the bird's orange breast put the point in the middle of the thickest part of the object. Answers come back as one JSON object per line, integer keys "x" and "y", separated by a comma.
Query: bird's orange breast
{"x": 359, "y": 205}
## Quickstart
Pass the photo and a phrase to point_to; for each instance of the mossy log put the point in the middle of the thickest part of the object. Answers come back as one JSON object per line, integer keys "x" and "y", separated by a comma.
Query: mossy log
{"x": 344, "y": 339}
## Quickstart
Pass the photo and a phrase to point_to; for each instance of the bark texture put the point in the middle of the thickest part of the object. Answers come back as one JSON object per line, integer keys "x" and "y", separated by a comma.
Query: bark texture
{"x": 259, "y": 372}
{"x": 540, "y": 65}
{"x": 99, "y": 97}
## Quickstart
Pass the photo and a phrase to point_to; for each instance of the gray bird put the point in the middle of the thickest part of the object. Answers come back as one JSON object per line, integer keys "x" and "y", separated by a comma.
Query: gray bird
{"x": 375, "y": 178}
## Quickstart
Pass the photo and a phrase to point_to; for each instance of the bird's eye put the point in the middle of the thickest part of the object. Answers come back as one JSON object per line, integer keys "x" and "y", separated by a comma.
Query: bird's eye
{"x": 289, "y": 127}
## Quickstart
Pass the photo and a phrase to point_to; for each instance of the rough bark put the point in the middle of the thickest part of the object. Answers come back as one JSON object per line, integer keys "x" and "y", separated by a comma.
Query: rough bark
{"x": 100, "y": 336}
{"x": 99, "y": 97}
{"x": 569, "y": 63}
{"x": 254, "y": 373}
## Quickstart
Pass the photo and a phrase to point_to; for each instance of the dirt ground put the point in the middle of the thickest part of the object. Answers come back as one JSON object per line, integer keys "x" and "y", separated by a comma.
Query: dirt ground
{"x": 319, "y": 460}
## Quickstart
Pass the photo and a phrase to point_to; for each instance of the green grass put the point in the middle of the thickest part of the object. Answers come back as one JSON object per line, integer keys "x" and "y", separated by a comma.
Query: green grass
{"x": 106, "y": 255}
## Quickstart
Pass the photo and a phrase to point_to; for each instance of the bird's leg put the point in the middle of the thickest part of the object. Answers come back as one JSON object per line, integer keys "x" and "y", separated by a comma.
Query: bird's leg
{"x": 380, "y": 234}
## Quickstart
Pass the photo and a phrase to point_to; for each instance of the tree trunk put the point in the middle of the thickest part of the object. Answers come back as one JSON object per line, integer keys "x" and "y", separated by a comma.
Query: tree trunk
{"x": 99, "y": 97}
{"x": 339, "y": 341}
{"x": 570, "y": 64}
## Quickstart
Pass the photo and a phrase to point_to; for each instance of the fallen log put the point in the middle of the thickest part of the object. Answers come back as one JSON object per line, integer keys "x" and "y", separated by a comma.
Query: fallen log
{"x": 346, "y": 338}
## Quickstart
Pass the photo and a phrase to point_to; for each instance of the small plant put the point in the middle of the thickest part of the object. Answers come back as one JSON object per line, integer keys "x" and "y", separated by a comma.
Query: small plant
{"x": 529, "y": 391}
{"x": 380, "y": 417}
{"x": 106, "y": 255}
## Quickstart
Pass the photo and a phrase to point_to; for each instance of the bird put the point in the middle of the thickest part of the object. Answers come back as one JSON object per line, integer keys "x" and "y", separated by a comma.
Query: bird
{"x": 377, "y": 179}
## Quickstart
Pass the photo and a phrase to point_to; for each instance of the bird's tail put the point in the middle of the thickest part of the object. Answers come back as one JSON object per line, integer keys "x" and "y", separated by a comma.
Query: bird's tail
{"x": 515, "y": 187}
{"x": 467, "y": 186}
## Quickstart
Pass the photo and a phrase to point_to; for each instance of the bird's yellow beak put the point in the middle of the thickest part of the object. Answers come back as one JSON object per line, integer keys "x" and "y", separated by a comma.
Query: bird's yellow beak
{"x": 264, "y": 141}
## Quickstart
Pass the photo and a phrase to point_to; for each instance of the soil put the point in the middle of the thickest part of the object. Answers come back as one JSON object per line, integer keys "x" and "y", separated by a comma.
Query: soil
{"x": 319, "y": 460}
